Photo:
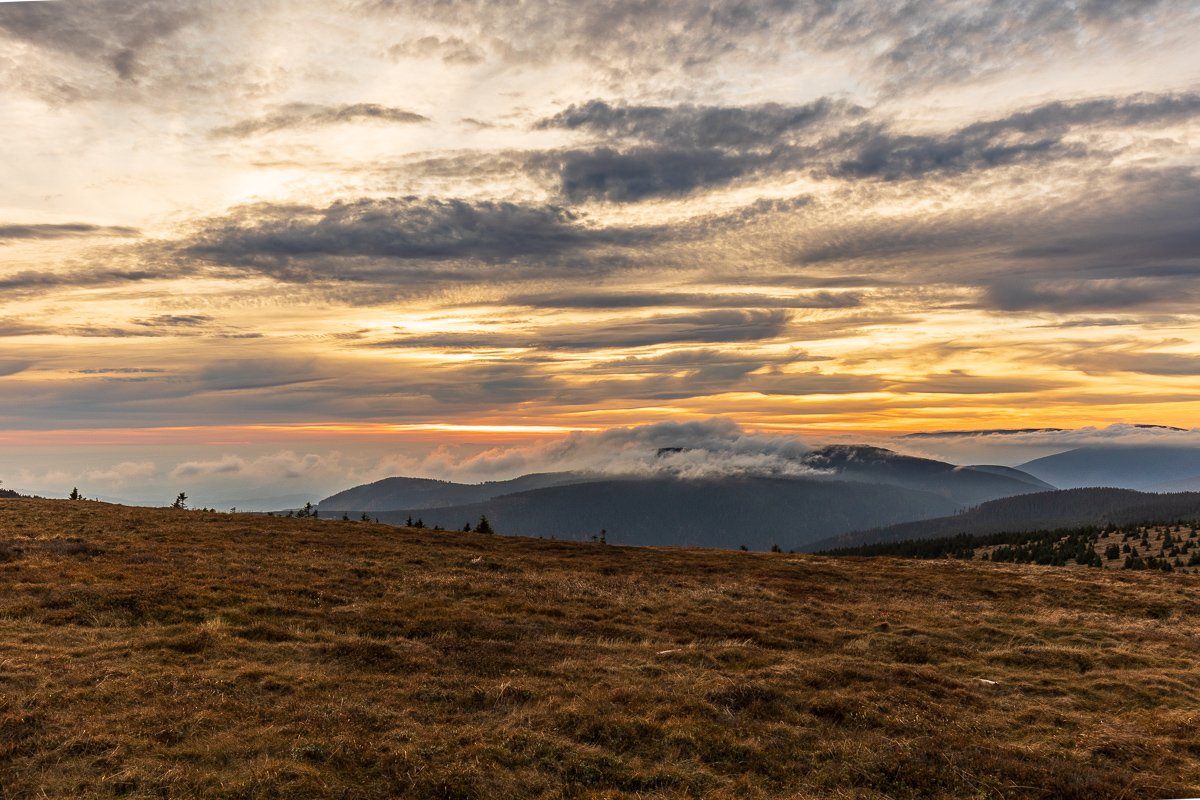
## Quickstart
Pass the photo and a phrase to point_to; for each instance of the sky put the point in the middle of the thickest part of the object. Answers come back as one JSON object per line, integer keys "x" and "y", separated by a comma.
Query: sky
{"x": 281, "y": 247}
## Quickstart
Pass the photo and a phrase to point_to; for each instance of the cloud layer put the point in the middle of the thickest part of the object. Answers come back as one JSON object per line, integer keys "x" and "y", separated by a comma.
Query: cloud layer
{"x": 844, "y": 216}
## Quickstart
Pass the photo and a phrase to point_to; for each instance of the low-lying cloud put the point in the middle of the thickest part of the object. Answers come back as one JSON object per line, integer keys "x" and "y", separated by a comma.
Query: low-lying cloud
{"x": 704, "y": 449}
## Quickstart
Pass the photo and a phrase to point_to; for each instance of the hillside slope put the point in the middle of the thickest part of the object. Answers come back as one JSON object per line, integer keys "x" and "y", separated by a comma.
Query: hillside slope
{"x": 1069, "y": 508}
{"x": 852, "y": 487}
{"x": 727, "y": 512}
{"x": 390, "y": 494}
{"x": 161, "y": 653}
{"x": 962, "y": 485}
{"x": 1121, "y": 466}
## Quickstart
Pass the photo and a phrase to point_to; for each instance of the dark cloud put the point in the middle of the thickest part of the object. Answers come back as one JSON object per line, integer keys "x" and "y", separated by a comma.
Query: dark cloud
{"x": 18, "y": 327}
{"x": 1071, "y": 296}
{"x": 245, "y": 374}
{"x": 627, "y": 176}
{"x": 705, "y": 326}
{"x": 697, "y": 127}
{"x": 12, "y": 367}
{"x": 362, "y": 240}
{"x": 175, "y": 321}
{"x": 1034, "y": 134}
{"x": 109, "y": 32}
{"x": 308, "y": 115}
{"x": 898, "y": 46}
{"x": 600, "y": 300}
{"x": 1107, "y": 361}
{"x": 63, "y": 231}
{"x": 877, "y": 153}
{"x": 36, "y": 280}
{"x": 656, "y": 151}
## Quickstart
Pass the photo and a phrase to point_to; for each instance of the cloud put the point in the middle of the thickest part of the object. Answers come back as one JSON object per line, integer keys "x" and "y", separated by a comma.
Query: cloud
{"x": 451, "y": 50}
{"x": 252, "y": 373}
{"x": 311, "y": 115}
{"x": 12, "y": 367}
{"x": 11, "y": 231}
{"x": 1065, "y": 439}
{"x": 706, "y": 326}
{"x": 697, "y": 127}
{"x": 585, "y": 299}
{"x": 10, "y": 326}
{"x": 1064, "y": 297}
{"x": 284, "y": 465}
{"x": 893, "y": 47}
{"x": 659, "y": 151}
{"x": 122, "y": 474}
{"x": 175, "y": 321}
{"x": 632, "y": 175}
{"x": 1108, "y": 360}
{"x": 113, "y": 33}
{"x": 354, "y": 240}
{"x": 37, "y": 280}
{"x": 708, "y": 448}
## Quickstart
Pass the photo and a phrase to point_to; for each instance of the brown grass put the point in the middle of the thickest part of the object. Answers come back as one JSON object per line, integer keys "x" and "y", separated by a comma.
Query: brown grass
{"x": 160, "y": 653}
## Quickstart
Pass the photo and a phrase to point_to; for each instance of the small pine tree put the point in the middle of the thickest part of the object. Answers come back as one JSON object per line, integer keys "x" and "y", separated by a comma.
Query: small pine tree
{"x": 743, "y": 548}
{"x": 467, "y": 528}
{"x": 776, "y": 548}
{"x": 75, "y": 495}
{"x": 420, "y": 523}
{"x": 180, "y": 501}
{"x": 484, "y": 526}
{"x": 365, "y": 517}
{"x": 603, "y": 536}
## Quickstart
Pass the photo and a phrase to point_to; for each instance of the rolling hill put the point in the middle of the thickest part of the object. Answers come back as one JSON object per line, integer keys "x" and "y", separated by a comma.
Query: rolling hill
{"x": 1143, "y": 467}
{"x": 390, "y": 494}
{"x": 726, "y": 512}
{"x": 849, "y": 488}
{"x": 1067, "y": 508}
{"x": 171, "y": 653}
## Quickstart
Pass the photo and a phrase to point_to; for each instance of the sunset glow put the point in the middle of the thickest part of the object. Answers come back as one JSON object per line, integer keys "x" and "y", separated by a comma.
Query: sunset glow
{"x": 316, "y": 225}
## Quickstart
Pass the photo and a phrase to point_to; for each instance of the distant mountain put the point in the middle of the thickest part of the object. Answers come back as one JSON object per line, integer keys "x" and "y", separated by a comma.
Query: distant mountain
{"x": 1120, "y": 466}
{"x": 1015, "y": 474}
{"x": 1067, "y": 508}
{"x": 965, "y": 486}
{"x": 390, "y": 494}
{"x": 724, "y": 512}
{"x": 852, "y": 487}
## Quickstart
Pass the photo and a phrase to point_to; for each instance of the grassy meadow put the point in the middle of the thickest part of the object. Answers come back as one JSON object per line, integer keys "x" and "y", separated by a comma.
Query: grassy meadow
{"x": 164, "y": 653}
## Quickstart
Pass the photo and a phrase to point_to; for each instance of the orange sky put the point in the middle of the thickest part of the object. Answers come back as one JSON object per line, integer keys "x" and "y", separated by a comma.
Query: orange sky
{"x": 355, "y": 223}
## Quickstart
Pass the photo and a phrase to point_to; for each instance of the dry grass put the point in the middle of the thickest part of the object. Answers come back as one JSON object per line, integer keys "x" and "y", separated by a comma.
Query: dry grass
{"x": 159, "y": 653}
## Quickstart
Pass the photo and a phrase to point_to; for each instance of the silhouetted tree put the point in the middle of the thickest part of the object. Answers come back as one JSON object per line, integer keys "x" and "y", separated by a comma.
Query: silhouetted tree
{"x": 180, "y": 501}
{"x": 75, "y": 495}
{"x": 484, "y": 526}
